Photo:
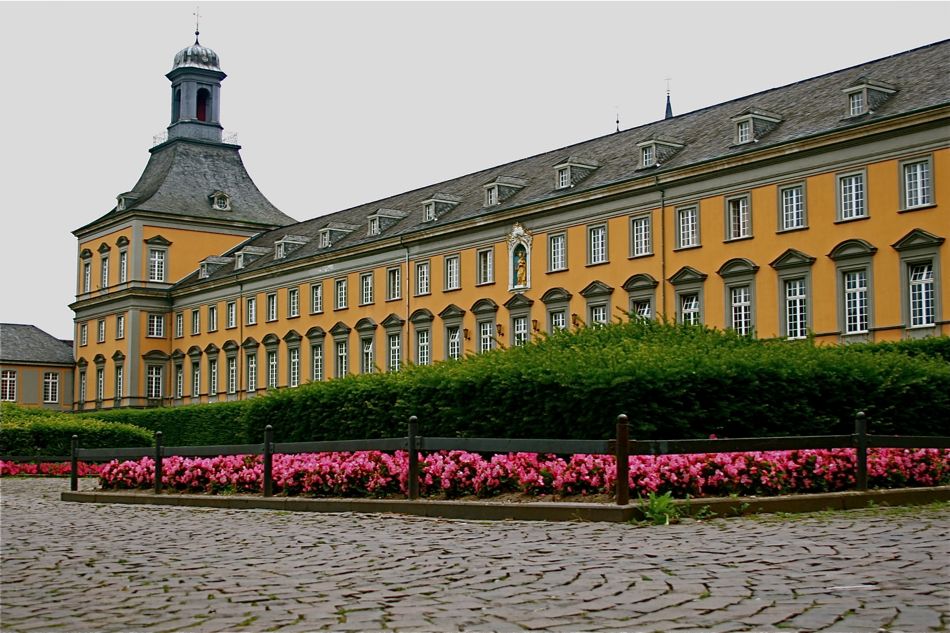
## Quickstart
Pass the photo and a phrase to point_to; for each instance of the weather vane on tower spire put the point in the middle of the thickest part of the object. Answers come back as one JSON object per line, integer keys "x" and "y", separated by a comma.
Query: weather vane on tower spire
{"x": 197, "y": 17}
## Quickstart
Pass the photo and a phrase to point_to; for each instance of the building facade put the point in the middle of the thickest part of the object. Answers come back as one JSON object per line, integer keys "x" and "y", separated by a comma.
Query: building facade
{"x": 36, "y": 368}
{"x": 814, "y": 209}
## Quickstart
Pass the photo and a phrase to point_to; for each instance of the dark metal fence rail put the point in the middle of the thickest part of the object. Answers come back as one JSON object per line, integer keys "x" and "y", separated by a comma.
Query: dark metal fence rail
{"x": 621, "y": 447}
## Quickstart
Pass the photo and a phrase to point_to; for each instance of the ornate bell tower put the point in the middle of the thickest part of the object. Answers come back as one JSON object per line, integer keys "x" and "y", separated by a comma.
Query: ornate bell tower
{"x": 196, "y": 94}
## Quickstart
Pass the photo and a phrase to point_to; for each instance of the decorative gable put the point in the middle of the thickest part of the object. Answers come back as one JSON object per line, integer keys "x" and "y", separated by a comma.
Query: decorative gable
{"x": 556, "y": 295}
{"x": 518, "y": 301}
{"x": 340, "y": 329}
{"x": 158, "y": 240}
{"x": 792, "y": 258}
{"x": 849, "y": 249}
{"x": 596, "y": 288}
{"x": 502, "y": 188}
{"x": 641, "y": 281}
{"x": 292, "y": 336}
{"x": 452, "y": 311}
{"x": 484, "y": 306}
{"x": 393, "y": 321}
{"x": 366, "y": 325}
{"x": 737, "y": 267}
{"x": 569, "y": 172}
{"x": 918, "y": 238}
{"x": 421, "y": 316}
{"x": 687, "y": 275}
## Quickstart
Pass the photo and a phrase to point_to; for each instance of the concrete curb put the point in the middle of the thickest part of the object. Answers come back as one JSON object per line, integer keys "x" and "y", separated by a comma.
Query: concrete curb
{"x": 529, "y": 511}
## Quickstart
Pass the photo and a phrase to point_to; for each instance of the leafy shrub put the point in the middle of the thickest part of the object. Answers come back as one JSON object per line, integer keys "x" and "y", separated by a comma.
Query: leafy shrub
{"x": 38, "y": 432}
{"x": 191, "y": 425}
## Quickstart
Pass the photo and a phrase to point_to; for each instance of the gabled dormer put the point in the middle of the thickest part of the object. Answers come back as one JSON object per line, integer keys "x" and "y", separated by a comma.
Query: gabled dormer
{"x": 866, "y": 95}
{"x": 335, "y": 231}
{"x": 569, "y": 172}
{"x": 247, "y": 255}
{"x": 752, "y": 124}
{"x": 220, "y": 201}
{"x": 210, "y": 264}
{"x": 125, "y": 200}
{"x": 382, "y": 219}
{"x": 288, "y": 244}
{"x": 437, "y": 205}
{"x": 656, "y": 151}
{"x": 502, "y": 188}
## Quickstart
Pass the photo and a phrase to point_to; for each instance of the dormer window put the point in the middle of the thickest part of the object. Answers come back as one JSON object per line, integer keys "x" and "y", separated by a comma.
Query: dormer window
{"x": 648, "y": 156}
{"x": 239, "y": 261}
{"x": 220, "y": 201}
{"x": 491, "y": 196}
{"x": 744, "y": 131}
{"x": 655, "y": 151}
{"x": 374, "y": 226}
{"x": 428, "y": 212}
{"x": 325, "y": 238}
{"x": 752, "y": 124}
{"x": 502, "y": 188}
{"x": 125, "y": 201}
{"x": 288, "y": 244}
{"x": 210, "y": 264}
{"x": 573, "y": 170}
{"x": 866, "y": 95}
{"x": 856, "y": 103}
{"x": 437, "y": 205}
{"x": 247, "y": 255}
{"x": 381, "y": 220}
{"x": 563, "y": 177}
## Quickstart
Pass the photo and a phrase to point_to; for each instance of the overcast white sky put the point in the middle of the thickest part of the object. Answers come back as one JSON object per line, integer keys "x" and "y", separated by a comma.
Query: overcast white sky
{"x": 338, "y": 104}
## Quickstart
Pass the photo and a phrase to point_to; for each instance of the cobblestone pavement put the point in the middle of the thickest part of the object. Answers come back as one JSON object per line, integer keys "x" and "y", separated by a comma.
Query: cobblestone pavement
{"x": 84, "y": 567}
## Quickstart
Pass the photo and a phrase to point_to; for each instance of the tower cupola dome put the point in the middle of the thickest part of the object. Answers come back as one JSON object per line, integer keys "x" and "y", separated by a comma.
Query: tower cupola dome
{"x": 197, "y": 56}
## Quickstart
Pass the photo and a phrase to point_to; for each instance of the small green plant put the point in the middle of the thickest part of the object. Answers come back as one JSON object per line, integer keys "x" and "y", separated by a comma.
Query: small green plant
{"x": 660, "y": 509}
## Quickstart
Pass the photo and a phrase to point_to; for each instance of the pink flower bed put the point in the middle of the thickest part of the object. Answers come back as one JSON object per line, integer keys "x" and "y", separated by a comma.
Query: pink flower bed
{"x": 48, "y": 469}
{"x": 457, "y": 473}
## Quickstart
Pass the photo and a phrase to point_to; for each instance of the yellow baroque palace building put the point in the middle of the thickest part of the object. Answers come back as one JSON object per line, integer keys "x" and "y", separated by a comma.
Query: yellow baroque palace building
{"x": 814, "y": 209}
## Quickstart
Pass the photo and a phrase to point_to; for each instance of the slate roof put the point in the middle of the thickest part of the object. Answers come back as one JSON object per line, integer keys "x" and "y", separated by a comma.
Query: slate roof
{"x": 808, "y": 108}
{"x": 29, "y": 344}
{"x": 182, "y": 173}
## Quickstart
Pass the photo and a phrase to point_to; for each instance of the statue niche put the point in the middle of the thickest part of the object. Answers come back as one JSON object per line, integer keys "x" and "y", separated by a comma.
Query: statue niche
{"x": 519, "y": 258}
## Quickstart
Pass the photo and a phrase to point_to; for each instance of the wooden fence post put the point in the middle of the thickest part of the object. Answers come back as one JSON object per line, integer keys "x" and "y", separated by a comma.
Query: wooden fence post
{"x": 268, "y": 460}
{"x": 413, "y": 458}
{"x": 74, "y": 463}
{"x": 623, "y": 461}
{"x": 158, "y": 462}
{"x": 861, "y": 447}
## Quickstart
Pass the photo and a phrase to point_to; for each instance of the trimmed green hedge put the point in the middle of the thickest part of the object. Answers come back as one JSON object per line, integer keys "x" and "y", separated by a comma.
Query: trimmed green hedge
{"x": 39, "y": 432}
{"x": 672, "y": 381}
{"x": 192, "y": 425}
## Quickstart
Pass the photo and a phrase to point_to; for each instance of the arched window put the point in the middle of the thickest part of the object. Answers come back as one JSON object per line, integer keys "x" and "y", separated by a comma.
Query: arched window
{"x": 203, "y": 109}
{"x": 176, "y": 105}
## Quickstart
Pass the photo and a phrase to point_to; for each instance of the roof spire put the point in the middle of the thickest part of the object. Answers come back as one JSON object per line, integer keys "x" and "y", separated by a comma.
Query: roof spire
{"x": 669, "y": 106}
{"x": 197, "y": 17}
{"x": 618, "y": 118}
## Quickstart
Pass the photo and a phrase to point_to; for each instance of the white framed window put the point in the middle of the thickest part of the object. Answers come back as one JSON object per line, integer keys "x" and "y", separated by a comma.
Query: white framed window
{"x": 519, "y": 330}
{"x": 119, "y": 382}
{"x": 921, "y": 294}
{"x": 231, "y": 314}
{"x": 367, "y": 358}
{"x": 454, "y": 335}
{"x": 687, "y": 227}
{"x": 212, "y": 376}
{"x": 486, "y": 266}
{"x": 293, "y": 302}
{"x": 563, "y": 177}
{"x": 423, "y": 348}
{"x": 101, "y": 331}
{"x": 82, "y": 386}
{"x": 156, "y": 326}
{"x": 796, "y": 308}
{"x": 428, "y": 212}
{"x": 740, "y": 302}
{"x": 452, "y": 273}
{"x": 271, "y": 369}
{"x": 251, "y": 310}
{"x": 557, "y": 252}
{"x": 86, "y": 277}
{"x": 642, "y": 308}
{"x": 366, "y": 288}
{"x": 196, "y": 321}
{"x": 8, "y": 385}
{"x": 179, "y": 381}
{"x": 100, "y": 383}
{"x": 212, "y": 318}
{"x": 195, "y": 379}
{"x": 374, "y": 226}
{"x": 422, "y": 278}
{"x": 179, "y": 324}
{"x": 393, "y": 283}
{"x": 156, "y": 264}
{"x": 153, "y": 382}
{"x": 856, "y": 103}
{"x": 83, "y": 334}
{"x": 739, "y": 218}
{"x": 598, "y": 314}
{"x": 316, "y": 298}
{"x": 324, "y": 239}
{"x": 342, "y": 355}
{"x": 792, "y": 207}
{"x": 486, "y": 336}
{"x": 104, "y": 272}
{"x": 597, "y": 244}
{"x": 232, "y": 374}
{"x": 491, "y": 196}
{"x": 293, "y": 359}
{"x": 648, "y": 156}
{"x": 340, "y": 294}
{"x": 744, "y": 131}
{"x": 279, "y": 250}
{"x": 316, "y": 363}
{"x": 557, "y": 320}
{"x": 394, "y": 340}
{"x": 641, "y": 236}
{"x": 851, "y": 198}
{"x": 272, "y": 306}
{"x": 855, "y": 301}
{"x": 689, "y": 309}
{"x": 123, "y": 266}
{"x": 916, "y": 184}
{"x": 120, "y": 326}
{"x": 252, "y": 372}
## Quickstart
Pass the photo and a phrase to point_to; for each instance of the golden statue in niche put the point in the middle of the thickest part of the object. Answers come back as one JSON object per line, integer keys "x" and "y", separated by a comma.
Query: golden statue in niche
{"x": 520, "y": 266}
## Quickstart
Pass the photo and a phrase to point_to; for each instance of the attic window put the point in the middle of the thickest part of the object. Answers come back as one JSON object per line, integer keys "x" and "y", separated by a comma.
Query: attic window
{"x": 125, "y": 201}
{"x": 752, "y": 124}
{"x": 648, "y": 156}
{"x": 655, "y": 151}
{"x": 856, "y": 103}
{"x": 573, "y": 170}
{"x": 866, "y": 95}
{"x": 288, "y": 244}
{"x": 428, "y": 212}
{"x": 220, "y": 201}
{"x": 325, "y": 238}
{"x": 439, "y": 204}
{"x": 491, "y": 196}
{"x": 374, "y": 226}
{"x": 744, "y": 131}
{"x": 564, "y": 177}
{"x": 502, "y": 188}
